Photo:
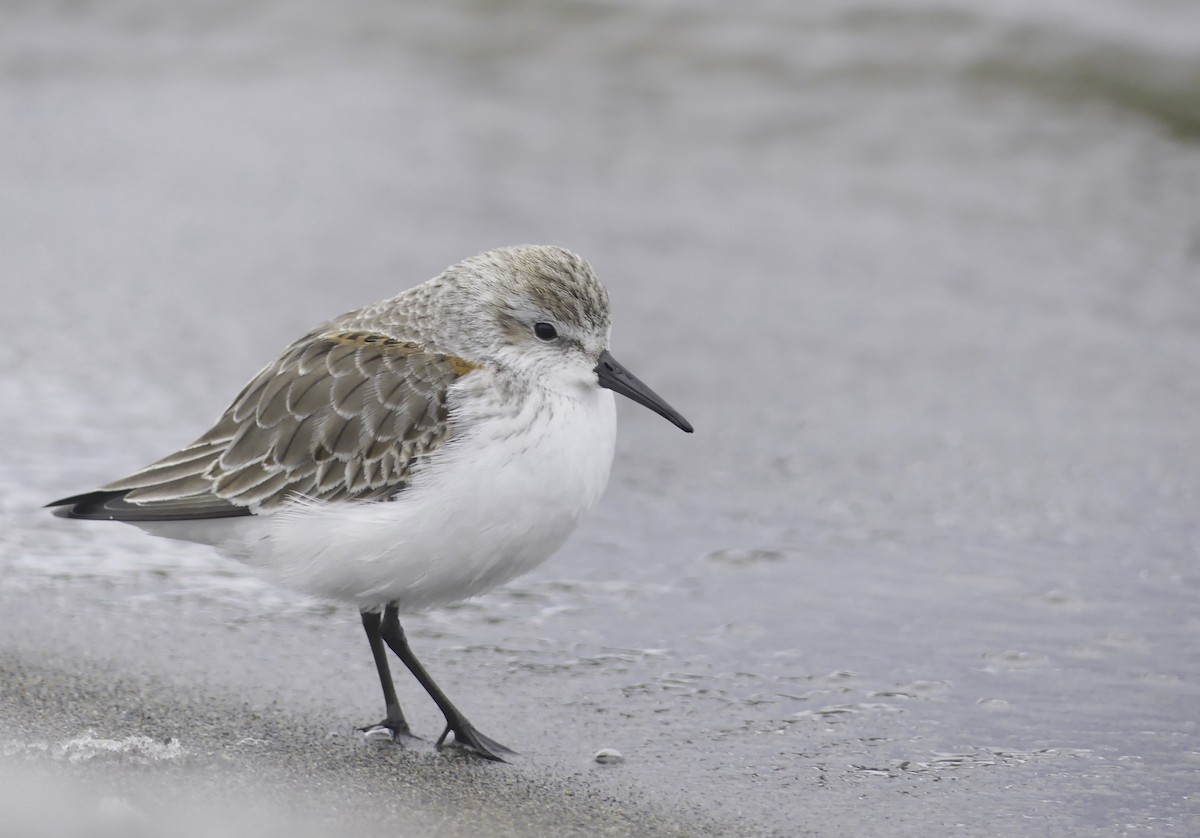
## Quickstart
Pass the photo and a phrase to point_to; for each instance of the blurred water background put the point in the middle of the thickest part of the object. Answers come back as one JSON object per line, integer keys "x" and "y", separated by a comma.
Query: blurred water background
{"x": 924, "y": 275}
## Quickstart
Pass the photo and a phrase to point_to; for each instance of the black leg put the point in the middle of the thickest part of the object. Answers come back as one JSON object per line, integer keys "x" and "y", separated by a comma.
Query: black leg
{"x": 395, "y": 721}
{"x": 465, "y": 733}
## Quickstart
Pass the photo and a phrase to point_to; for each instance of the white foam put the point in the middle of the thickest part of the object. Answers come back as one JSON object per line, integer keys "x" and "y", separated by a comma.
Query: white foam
{"x": 89, "y": 746}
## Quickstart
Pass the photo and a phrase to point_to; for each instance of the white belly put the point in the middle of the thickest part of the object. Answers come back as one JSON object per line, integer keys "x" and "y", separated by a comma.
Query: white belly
{"x": 493, "y": 505}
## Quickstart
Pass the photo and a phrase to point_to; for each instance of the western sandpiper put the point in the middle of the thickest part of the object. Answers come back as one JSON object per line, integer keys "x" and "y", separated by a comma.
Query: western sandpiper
{"x": 411, "y": 453}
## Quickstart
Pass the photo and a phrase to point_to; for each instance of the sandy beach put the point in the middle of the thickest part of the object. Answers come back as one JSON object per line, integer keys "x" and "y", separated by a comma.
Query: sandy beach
{"x": 923, "y": 277}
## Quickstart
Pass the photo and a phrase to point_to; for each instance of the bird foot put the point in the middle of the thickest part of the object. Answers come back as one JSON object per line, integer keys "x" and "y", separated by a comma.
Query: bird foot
{"x": 468, "y": 738}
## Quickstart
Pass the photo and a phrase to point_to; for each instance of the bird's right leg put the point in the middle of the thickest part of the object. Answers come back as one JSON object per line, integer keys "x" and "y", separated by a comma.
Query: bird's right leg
{"x": 395, "y": 721}
{"x": 465, "y": 734}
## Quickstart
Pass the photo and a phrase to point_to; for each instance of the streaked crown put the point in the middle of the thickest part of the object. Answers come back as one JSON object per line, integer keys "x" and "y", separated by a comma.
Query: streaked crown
{"x": 487, "y": 308}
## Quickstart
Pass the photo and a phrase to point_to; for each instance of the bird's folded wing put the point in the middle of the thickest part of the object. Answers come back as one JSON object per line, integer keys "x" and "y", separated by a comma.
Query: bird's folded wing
{"x": 339, "y": 416}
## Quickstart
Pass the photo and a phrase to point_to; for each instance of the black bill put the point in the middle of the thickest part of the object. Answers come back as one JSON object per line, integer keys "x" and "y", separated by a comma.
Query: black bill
{"x": 620, "y": 380}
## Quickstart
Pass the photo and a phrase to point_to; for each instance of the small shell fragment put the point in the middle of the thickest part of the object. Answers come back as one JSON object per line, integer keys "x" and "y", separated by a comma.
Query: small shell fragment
{"x": 379, "y": 733}
{"x": 607, "y": 756}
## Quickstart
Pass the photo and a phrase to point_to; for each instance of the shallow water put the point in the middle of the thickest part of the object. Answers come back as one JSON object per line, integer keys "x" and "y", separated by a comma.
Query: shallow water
{"x": 923, "y": 276}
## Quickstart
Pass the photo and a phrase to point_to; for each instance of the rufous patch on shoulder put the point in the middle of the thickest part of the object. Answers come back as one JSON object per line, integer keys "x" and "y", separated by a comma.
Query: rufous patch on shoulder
{"x": 461, "y": 366}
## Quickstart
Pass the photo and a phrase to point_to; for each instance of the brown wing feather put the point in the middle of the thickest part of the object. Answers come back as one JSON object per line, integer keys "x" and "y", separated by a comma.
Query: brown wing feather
{"x": 339, "y": 416}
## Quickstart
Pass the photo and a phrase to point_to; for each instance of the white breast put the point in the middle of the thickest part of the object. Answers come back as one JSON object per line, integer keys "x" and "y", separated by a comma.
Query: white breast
{"x": 492, "y": 505}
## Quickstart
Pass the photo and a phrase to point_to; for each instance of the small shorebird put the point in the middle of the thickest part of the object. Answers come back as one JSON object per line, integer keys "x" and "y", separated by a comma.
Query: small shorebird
{"x": 412, "y": 453}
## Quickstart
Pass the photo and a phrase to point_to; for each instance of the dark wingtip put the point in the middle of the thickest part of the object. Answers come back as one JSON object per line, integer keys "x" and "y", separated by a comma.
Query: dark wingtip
{"x": 112, "y": 506}
{"x": 90, "y": 505}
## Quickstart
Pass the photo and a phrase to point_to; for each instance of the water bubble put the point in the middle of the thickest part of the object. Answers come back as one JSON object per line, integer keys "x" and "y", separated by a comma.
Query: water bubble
{"x": 744, "y": 556}
{"x": 993, "y": 703}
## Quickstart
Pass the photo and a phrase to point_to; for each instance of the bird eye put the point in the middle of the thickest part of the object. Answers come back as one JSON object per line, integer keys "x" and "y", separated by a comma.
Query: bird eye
{"x": 545, "y": 331}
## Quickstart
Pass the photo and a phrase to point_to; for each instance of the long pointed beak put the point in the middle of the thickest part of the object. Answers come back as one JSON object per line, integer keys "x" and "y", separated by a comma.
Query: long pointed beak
{"x": 620, "y": 380}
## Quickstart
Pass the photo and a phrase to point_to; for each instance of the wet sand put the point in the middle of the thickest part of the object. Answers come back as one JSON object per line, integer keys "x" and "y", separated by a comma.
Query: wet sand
{"x": 97, "y": 747}
{"x": 925, "y": 283}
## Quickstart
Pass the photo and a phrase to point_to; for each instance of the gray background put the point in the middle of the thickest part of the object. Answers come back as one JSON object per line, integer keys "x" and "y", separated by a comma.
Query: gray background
{"x": 924, "y": 276}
